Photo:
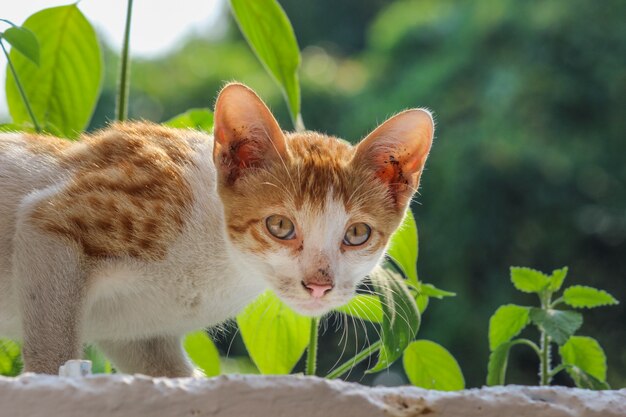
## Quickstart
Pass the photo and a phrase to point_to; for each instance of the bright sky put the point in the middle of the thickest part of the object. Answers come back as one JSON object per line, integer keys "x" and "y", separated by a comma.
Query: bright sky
{"x": 158, "y": 25}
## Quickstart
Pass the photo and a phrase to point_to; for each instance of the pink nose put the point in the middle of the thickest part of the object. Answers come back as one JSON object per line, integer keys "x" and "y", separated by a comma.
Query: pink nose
{"x": 317, "y": 290}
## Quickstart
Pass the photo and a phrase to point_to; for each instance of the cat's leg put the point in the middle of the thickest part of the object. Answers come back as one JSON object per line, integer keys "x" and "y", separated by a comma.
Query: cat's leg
{"x": 50, "y": 281}
{"x": 157, "y": 356}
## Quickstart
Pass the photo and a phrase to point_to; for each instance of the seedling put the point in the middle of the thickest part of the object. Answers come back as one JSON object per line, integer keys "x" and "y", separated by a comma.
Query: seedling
{"x": 581, "y": 356}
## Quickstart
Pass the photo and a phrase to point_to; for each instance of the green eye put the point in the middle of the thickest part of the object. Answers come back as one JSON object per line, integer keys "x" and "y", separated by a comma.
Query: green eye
{"x": 357, "y": 234}
{"x": 280, "y": 227}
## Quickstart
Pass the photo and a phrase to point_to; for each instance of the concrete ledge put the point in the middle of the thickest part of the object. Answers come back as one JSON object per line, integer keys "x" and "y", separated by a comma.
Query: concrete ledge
{"x": 238, "y": 396}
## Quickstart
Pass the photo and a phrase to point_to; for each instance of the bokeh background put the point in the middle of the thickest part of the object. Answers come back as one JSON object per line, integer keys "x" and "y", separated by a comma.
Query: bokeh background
{"x": 529, "y": 162}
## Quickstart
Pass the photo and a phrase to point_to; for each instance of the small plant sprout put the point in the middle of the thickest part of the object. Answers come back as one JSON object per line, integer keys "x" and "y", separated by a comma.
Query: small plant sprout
{"x": 581, "y": 357}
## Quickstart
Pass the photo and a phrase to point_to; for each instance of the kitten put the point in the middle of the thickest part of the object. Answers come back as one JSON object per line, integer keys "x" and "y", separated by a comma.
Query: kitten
{"x": 139, "y": 233}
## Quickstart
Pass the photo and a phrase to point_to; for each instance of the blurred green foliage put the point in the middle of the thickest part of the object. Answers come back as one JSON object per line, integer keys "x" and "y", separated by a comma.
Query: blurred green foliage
{"x": 528, "y": 163}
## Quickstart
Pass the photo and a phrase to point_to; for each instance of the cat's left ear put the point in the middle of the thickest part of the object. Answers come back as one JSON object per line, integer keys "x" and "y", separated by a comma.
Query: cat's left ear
{"x": 247, "y": 135}
{"x": 397, "y": 150}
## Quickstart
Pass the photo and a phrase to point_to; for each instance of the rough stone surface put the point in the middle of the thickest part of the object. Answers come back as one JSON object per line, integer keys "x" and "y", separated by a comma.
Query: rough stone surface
{"x": 258, "y": 396}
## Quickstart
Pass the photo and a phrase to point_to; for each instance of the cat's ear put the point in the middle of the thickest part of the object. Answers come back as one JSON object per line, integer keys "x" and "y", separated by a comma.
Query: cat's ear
{"x": 397, "y": 150}
{"x": 246, "y": 134}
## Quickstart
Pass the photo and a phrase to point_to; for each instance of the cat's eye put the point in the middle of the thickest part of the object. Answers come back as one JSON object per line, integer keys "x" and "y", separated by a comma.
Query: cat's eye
{"x": 280, "y": 227}
{"x": 357, "y": 234}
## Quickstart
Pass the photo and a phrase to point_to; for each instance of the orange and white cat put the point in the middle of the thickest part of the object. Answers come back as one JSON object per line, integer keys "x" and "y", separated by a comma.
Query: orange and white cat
{"x": 138, "y": 234}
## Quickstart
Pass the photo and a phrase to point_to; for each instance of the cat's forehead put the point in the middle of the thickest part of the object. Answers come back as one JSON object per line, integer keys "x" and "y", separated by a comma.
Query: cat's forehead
{"x": 319, "y": 166}
{"x": 318, "y": 149}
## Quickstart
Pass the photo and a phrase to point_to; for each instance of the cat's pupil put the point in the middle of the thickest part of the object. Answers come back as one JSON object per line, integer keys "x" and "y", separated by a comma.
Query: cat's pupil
{"x": 357, "y": 234}
{"x": 280, "y": 227}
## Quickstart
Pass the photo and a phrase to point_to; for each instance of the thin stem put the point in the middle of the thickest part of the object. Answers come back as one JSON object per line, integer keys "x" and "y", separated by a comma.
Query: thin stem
{"x": 122, "y": 94}
{"x": 557, "y": 370}
{"x": 556, "y": 302}
{"x": 311, "y": 353}
{"x": 529, "y": 343}
{"x": 544, "y": 370}
{"x": 21, "y": 90}
{"x": 350, "y": 363}
{"x": 545, "y": 357}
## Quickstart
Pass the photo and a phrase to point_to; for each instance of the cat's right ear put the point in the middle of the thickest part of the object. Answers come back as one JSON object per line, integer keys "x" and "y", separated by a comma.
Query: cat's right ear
{"x": 246, "y": 134}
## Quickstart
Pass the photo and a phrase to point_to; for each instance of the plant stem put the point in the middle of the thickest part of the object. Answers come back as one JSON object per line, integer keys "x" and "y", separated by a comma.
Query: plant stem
{"x": 545, "y": 357}
{"x": 359, "y": 357}
{"x": 557, "y": 370}
{"x": 123, "y": 87}
{"x": 545, "y": 371}
{"x": 311, "y": 353}
{"x": 21, "y": 90}
{"x": 529, "y": 343}
{"x": 556, "y": 302}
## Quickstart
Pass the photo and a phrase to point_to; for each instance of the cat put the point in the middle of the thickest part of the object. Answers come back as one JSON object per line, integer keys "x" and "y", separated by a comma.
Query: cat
{"x": 138, "y": 233}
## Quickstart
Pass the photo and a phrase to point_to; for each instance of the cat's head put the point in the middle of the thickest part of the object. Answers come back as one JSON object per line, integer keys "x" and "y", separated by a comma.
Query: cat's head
{"x": 311, "y": 212}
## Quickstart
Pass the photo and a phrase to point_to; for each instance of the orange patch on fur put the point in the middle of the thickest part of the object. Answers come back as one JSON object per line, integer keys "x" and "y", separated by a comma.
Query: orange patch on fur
{"x": 316, "y": 164}
{"x": 127, "y": 194}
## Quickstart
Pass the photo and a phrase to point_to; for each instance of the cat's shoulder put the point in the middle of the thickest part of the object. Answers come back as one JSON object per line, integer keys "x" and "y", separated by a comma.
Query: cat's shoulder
{"x": 127, "y": 191}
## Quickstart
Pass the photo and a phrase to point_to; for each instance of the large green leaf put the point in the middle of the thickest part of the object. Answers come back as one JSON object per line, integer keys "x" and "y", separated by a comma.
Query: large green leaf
{"x": 529, "y": 280}
{"x": 580, "y": 296}
{"x": 558, "y": 324}
{"x": 429, "y": 365}
{"x": 200, "y": 119}
{"x": 202, "y": 352}
{"x": 557, "y": 278}
{"x": 238, "y": 365}
{"x": 268, "y": 31}
{"x": 506, "y": 323}
{"x": 430, "y": 290}
{"x": 401, "y": 318}
{"x": 496, "y": 367}
{"x": 403, "y": 247}
{"x": 64, "y": 88}
{"x": 584, "y": 380}
{"x": 586, "y": 354}
{"x": 275, "y": 336}
{"x": 10, "y": 358}
{"x": 364, "y": 306}
{"x": 24, "y": 41}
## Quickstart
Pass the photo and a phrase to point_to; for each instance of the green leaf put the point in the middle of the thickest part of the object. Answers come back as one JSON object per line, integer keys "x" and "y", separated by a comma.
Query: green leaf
{"x": 364, "y": 306}
{"x": 429, "y": 365}
{"x": 403, "y": 247}
{"x": 268, "y": 31}
{"x": 10, "y": 127}
{"x": 506, "y": 323}
{"x": 238, "y": 365}
{"x": 431, "y": 291}
{"x": 99, "y": 363}
{"x": 558, "y": 324}
{"x": 64, "y": 88}
{"x": 422, "y": 301}
{"x": 557, "y": 278}
{"x": 202, "y": 352}
{"x": 24, "y": 41}
{"x": 586, "y": 354}
{"x": 200, "y": 119}
{"x": 584, "y": 380}
{"x": 401, "y": 318}
{"x": 529, "y": 280}
{"x": 580, "y": 296}
{"x": 10, "y": 358}
{"x": 274, "y": 335}
{"x": 496, "y": 368}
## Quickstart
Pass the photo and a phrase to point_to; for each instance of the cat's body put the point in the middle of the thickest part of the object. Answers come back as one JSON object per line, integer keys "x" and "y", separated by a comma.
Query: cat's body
{"x": 129, "y": 296}
{"x": 139, "y": 234}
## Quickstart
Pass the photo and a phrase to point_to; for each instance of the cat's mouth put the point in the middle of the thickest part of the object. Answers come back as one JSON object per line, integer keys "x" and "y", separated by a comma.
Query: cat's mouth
{"x": 312, "y": 306}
